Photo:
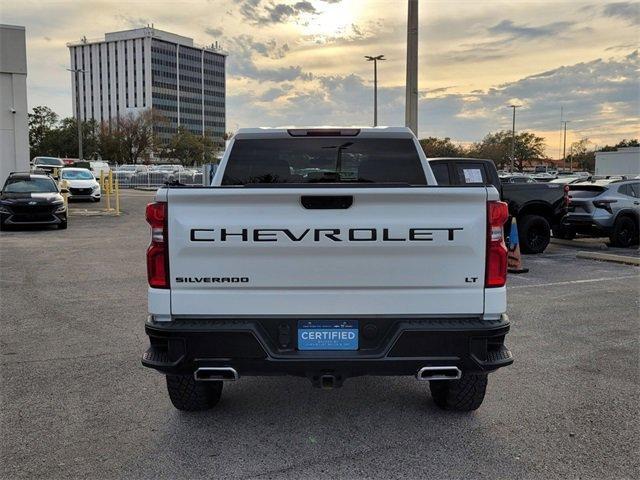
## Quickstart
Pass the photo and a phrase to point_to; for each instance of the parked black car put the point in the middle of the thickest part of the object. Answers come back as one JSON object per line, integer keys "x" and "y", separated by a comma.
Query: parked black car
{"x": 538, "y": 207}
{"x": 31, "y": 199}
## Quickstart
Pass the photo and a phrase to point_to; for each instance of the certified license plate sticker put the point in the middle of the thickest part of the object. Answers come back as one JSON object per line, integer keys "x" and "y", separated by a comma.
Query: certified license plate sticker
{"x": 328, "y": 335}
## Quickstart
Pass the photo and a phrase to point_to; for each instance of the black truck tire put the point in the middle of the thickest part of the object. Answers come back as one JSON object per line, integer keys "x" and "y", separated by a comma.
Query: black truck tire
{"x": 624, "y": 233}
{"x": 534, "y": 233}
{"x": 190, "y": 396}
{"x": 464, "y": 395}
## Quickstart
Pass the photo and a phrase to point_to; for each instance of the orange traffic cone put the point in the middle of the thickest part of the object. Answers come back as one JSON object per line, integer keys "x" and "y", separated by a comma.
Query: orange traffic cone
{"x": 514, "y": 259}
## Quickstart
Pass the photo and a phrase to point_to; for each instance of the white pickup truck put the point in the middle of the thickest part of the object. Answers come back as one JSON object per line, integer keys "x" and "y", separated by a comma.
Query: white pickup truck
{"x": 326, "y": 253}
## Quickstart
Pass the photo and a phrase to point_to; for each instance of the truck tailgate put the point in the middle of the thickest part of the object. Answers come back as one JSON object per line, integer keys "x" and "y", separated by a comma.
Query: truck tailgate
{"x": 393, "y": 251}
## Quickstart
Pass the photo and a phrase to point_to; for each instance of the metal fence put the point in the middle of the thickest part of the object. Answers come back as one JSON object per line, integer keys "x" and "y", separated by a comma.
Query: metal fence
{"x": 128, "y": 179}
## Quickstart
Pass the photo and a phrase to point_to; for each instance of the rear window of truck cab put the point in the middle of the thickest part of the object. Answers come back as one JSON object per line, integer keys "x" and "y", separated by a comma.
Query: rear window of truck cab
{"x": 324, "y": 160}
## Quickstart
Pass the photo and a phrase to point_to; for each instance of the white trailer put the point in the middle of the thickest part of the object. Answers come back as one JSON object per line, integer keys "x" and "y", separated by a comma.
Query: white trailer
{"x": 624, "y": 161}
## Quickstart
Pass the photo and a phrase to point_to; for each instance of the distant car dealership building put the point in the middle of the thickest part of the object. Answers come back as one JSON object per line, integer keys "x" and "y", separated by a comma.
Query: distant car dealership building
{"x": 135, "y": 70}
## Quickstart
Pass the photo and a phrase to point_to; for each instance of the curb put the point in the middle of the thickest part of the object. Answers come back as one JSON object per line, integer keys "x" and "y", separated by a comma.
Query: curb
{"x": 575, "y": 243}
{"x": 608, "y": 257}
{"x": 93, "y": 213}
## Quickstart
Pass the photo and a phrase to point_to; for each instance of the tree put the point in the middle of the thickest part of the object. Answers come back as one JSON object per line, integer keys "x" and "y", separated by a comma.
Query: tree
{"x": 581, "y": 157}
{"x": 136, "y": 134}
{"x": 210, "y": 148}
{"x": 191, "y": 149}
{"x": 129, "y": 139}
{"x": 41, "y": 122}
{"x": 497, "y": 147}
{"x": 62, "y": 141}
{"x": 110, "y": 143}
{"x": 621, "y": 144}
{"x": 441, "y": 147}
{"x": 494, "y": 147}
{"x": 185, "y": 146}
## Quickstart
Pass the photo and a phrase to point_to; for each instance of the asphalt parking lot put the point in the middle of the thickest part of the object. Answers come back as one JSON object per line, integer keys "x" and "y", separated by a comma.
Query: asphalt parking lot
{"x": 76, "y": 403}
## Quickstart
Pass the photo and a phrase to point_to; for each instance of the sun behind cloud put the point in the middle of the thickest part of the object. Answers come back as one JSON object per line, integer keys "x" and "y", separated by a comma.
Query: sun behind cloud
{"x": 331, "y": 19}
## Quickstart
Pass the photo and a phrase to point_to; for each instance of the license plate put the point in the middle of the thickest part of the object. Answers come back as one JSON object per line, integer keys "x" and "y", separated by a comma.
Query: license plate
{"x": 328, "y": 335}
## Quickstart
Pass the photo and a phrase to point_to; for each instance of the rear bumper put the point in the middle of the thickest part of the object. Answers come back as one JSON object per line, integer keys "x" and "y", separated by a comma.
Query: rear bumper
{"x": 268, "y": 347}
{"x": 84, "y": 195}
{"x": 588, "y": 221}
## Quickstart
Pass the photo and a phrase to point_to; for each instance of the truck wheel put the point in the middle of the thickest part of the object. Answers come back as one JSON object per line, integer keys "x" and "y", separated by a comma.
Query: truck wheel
{"x": 190, "y": 396}
{"x": 625, "y": 232}
{"x": 534, "y": 234}
{"x": 464, "y": 395}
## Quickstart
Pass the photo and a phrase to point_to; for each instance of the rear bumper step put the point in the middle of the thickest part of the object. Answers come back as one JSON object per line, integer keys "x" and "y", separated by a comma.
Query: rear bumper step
{"x": 224, "y": 349}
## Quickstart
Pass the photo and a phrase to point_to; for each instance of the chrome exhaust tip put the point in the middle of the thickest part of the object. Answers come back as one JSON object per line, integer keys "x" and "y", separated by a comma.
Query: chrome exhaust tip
{"x": 216, "y": 374}
{"x": 439, "y": 373}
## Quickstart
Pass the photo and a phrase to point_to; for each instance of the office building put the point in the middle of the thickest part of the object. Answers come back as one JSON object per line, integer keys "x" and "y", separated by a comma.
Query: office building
{"x": 147, "y": 68}
{"x": 14, "y": 132}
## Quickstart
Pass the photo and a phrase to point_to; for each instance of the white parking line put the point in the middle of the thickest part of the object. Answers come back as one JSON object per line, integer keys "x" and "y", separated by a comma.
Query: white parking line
{"x": 570, "y": 282}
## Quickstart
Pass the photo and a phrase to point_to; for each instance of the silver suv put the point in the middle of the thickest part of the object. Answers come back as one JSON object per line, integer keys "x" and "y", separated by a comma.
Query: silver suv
{"x": 605, "y": 207}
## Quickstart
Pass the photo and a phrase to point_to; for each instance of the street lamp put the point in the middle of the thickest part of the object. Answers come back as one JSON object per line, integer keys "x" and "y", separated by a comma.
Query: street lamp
{"x": 513, "y": 136}
{"x": 76, "y": 71}
{"x": 375, "y": 85}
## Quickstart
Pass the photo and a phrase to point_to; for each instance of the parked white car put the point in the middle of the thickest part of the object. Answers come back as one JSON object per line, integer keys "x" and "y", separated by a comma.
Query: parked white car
{"x": 82, "y": 184}
{"x": 125, "y": 173}
{"x": 99, "y": 166}
{"x": 46, "y": 164}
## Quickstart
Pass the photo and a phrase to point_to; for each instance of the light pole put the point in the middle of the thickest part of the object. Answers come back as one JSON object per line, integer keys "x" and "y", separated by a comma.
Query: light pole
{"x": 411, "y": 88}
{"x": 564, "y": 147}
{"x": 513, "y": 136}
{"x": 76, "y": 71}
{"x": 375, "y": 85}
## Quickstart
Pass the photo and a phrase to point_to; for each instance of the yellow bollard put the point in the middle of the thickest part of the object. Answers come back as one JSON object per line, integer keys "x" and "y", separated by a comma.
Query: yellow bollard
{"x": 108, "y": 193}
{"x": 64, "y": 185}
{"x": 111, "y": 187}
{"x": 117, "y": 194}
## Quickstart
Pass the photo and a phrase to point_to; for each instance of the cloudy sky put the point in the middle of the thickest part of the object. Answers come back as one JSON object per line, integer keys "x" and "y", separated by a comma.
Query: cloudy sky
{"x": 302, "y": 62}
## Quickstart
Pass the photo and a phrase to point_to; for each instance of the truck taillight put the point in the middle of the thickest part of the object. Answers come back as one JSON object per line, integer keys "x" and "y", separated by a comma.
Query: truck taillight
{"x": 567, "y": 198}
{"x": 496, "y": 267}
{"x": 157, "y": 253}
